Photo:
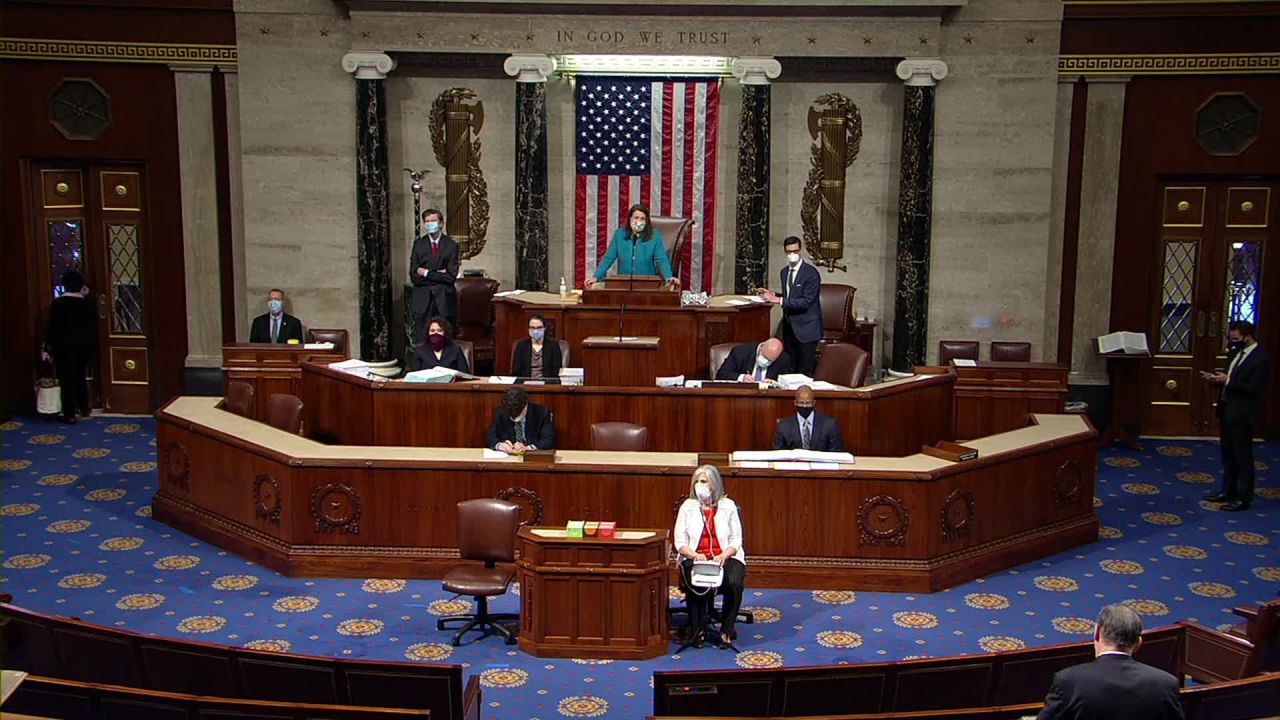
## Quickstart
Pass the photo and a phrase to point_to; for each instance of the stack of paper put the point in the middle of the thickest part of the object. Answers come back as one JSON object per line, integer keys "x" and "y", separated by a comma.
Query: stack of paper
{"x": 502, "y": 379}
{"x": 964, "y": 362}
{"x": 671, "y": 381}
{"x": 352, "y": 366}
{"x": 318, "y": 346}
{"x": 571, "y": 376}
{"x": 508, "y": 293}
{"x": 795, "y": 381}
{"x": 432, "y": 375}
{"x": 779, "y": 456}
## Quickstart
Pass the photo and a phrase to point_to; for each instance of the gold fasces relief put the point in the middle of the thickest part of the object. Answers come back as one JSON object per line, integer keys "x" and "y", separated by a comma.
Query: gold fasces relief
{"x": 455, "y": 129}
{"x": 836, "y": 128}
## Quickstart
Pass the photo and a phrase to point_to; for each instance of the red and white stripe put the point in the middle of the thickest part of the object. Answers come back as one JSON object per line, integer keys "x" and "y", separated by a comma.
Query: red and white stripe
{"x": 681, "y": 183}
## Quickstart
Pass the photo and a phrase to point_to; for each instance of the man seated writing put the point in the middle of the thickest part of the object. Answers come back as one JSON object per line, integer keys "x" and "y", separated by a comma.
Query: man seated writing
{"x": 761, "y": 363}
{"x": 520, "y": 426}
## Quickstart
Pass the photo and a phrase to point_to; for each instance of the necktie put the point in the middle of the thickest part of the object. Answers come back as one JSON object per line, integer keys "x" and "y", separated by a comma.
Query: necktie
{"x": 275, "y": 329}
{"x": 759, "y": 373}
{"x": 791, "y": 279}
{"x": 804, "y": 434}
{"x": 1235, "y": 363}
{"x": 435, "y": 246}
{"x": 520, "y": 431}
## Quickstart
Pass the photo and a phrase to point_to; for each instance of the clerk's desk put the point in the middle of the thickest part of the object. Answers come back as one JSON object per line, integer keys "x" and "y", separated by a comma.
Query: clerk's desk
{"x": 915, "y": 523}
{"x": 892, "y": 418}
{"x": 685, "y": 333}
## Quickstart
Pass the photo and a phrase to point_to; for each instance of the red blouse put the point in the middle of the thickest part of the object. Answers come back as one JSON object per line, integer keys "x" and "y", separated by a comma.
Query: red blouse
{"x": 709, "y": 544}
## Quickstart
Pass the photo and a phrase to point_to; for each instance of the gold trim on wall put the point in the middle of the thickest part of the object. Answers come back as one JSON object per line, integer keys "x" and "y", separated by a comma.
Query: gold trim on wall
{"x": 124, "y": 52}
{"x": 1173, "y": 64}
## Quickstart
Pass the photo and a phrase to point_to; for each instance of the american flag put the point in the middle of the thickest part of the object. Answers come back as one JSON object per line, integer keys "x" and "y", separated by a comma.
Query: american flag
{"x": 646, "y": 141}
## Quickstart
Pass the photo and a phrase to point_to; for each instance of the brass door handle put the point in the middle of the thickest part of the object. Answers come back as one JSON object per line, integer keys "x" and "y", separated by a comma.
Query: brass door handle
{"x": 102, "y": 306}
{"x": 1170, "y": 384}
{"x": 1213, "y": 323}
{"x": 1200, "y": 324}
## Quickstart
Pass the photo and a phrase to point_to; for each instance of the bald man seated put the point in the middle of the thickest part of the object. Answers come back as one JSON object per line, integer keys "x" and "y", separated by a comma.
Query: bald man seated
{"x": 808, "y": 429}
{"x": 761, "y": 363}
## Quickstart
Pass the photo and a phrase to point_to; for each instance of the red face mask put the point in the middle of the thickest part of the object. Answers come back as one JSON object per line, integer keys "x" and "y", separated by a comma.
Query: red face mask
{"x": 436, "y": 342}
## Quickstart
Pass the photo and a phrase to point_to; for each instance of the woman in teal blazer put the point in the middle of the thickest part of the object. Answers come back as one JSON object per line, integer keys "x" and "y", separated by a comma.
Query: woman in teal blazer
{"x": 640, "y": 238}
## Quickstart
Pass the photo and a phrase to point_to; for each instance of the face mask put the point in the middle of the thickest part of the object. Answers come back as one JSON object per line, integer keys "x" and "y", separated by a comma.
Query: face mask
{"x": 793, "y": 258}
{"x": 763, "y": 361}
{"x": 436, "y": 342}
{"x": 537, "y": 333}
{"x": 432, "y": 227}
{"x": 804, "y": 412}
{"x": 703, "y": 491}
{"x": 637, "y": 226}
{"x": 275, "y": 306}
{"x": 1235, "y": 344}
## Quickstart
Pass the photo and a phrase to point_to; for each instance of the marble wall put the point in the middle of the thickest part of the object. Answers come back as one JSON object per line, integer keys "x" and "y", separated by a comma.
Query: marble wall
{"x": 298, "y": 142}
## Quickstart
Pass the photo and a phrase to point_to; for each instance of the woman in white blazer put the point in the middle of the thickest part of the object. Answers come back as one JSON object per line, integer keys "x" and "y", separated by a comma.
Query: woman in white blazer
{"x": 708, "y": 528}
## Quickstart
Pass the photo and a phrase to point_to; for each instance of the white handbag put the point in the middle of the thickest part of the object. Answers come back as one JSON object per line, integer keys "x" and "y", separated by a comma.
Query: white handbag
{"x": 48, "y": 399}
{"x": 706, "y": 574}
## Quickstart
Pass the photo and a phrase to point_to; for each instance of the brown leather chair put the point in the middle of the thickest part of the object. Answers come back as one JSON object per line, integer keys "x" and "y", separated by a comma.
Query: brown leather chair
{"x": 948, "y": 350}
{"x": 1011, "y": 351}
{"x": 468, "y": 352}
{"x": 837, "y": 313}
{"x": 564, "y": 353}
{"x": 284, "y": 412}
{"x": 476, "y": 317}
{"x": 716, "y": 355}
{"x": 486, "y": 533}
{"x": 620, "y": 436}
{"x": 675, "y": 235}
{"x": 240, "y": 398}
{"x": 337, "y": 336}
{"x": 843, "y": 364}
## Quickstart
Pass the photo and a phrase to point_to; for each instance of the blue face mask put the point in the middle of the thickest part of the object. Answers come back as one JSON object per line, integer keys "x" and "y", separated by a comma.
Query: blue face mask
{"x": 432, "y": 227}
{"x": 538, "y": 333}
{"x": 275, "y": 306}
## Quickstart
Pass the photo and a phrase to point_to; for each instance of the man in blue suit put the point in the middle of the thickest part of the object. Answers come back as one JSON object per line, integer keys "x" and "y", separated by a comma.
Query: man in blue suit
{"x": 801, "y": 309}
{"x": 807, "y": 429}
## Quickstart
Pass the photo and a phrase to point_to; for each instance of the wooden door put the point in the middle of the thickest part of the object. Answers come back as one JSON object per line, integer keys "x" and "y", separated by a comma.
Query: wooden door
{"x": 91, "y": 217}
{"x": 1211, "y": 268}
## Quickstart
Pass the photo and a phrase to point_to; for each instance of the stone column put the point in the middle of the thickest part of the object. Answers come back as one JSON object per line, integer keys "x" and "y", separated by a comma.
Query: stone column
{"x": 751, "y": 259}
{"x": 194, "y": 90}
{"x": 372, "y": 201}
{"x": 1099, "y": 193}
{"x": 915, "y": 207}
{"x": 531, "y": 222}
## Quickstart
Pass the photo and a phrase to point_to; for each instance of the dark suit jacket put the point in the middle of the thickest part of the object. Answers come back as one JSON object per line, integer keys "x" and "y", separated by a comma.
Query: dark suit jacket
{"x": 742, "y": 361}
{"x": 539, "y": 430}
{"x": 73, "y": 326}
{"x": 451, "y": 357}
{"x": 290, "y": 329}
{"x": 1112, "y": 687}
{"x": 1240, "y": 398}
{"x": 801, "y": 306}
{"x": 522, "y": 358}
{"x": 437, "y": 287}
{"x": 825, "y": 435}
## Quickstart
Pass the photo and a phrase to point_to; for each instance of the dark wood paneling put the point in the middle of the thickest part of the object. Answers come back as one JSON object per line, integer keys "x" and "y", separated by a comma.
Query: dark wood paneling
{"x": 143, "y": 129}
{"x": 275, "y": 368}
{"x": 1071, "y": 222}
{"x": 202, "y": 22}
{"x": 226, "y": 241}
{"x": 711, "y": 419}
{"x": 998, "y": 396}
{"x": 1160, "y": 142}
{"x": 1026, "y": 504}
{"x": 1191, "y": 34}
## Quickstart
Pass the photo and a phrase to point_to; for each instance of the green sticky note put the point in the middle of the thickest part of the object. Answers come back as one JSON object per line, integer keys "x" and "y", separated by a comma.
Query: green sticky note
{"x": 574, "y": 528}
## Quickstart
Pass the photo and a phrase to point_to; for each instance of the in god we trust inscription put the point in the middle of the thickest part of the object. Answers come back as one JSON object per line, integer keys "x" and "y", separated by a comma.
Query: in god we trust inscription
{"x": 645, "y": 37}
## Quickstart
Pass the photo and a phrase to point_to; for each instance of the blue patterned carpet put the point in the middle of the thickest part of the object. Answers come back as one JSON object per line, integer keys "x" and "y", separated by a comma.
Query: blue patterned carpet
{"x": 79, "y": 540}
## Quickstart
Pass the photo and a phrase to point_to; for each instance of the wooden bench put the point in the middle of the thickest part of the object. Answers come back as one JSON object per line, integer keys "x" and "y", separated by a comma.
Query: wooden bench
{"x": 1246, "y": 699}
{"x": 72, "y": 700}
{"x": 992, "y": 680}
{"x": 69, "y": 649}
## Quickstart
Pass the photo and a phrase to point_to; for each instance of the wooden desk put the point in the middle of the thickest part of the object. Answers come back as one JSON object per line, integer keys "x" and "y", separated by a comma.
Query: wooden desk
{"x": 913, "y": 523}
{"x": 687, "y": 332}
{"x": 998, "y": 396}
{"x": 610, "y": 360}
{"x": 270, "y": 368}
{"x": 593, "y": 597}
{"x": 893, "y": 418}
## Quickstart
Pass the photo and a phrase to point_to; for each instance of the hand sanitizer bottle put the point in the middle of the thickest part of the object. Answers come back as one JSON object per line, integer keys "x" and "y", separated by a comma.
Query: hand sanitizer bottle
{"x": 564, "y": 291}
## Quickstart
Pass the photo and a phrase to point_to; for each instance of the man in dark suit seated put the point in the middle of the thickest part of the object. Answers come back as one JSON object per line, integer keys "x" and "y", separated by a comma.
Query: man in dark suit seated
{"x": 1242, "y": 389}
{"x": 756, "y": 363}
{"x": 1114, "y": 686}
{"x": 807, "y": 429}
{"x": 519, "y": 425}
{"x": 276, "y": 326}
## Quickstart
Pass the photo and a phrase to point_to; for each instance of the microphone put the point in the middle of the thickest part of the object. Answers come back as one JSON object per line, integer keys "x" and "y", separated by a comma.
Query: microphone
{"x": 631, "y": 281}
{"x": 622, "y": 311}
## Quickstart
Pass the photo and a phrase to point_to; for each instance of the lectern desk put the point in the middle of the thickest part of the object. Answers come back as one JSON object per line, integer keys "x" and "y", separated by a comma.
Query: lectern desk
{"x": 687, "y": 332}
{"x": 632, "y": 291}
{"x": 625, "y": 361}
{"x": 270, "y": 368}
{"x": 593, "y": 597}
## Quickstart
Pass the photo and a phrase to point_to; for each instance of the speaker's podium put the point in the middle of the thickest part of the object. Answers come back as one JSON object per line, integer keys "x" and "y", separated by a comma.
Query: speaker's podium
{"x": 593, "y": 597}
{"x": 632, "y": 291}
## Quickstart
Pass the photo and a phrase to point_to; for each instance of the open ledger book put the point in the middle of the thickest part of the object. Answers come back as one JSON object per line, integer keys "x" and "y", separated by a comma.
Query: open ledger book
{"x": 1126, "y": 343}
{"x": 437, "y": 375}
{"x": 812, "y": 456}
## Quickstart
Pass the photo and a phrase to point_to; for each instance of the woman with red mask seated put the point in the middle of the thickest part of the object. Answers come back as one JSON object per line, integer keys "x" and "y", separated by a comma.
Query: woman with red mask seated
{"x": 439, "y": 349}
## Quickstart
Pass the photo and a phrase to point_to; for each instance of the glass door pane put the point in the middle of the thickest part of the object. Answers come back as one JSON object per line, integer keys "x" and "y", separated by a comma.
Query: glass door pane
{"x": 66, "y": 250}
{"x": 1178, "y": 296}
{"x": 1244, "y": 273}
{"x": 126, "y": 279}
